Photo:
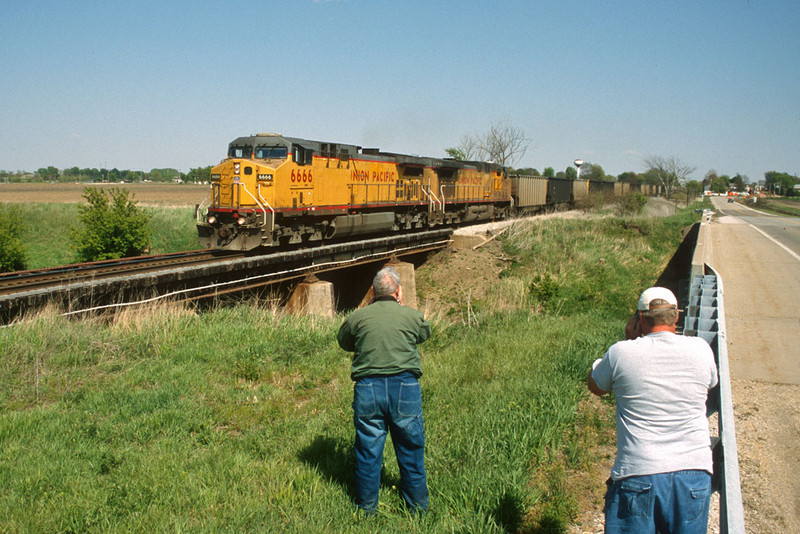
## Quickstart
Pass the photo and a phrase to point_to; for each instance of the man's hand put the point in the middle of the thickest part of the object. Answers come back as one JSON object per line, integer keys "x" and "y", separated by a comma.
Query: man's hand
{"x": 633, "y": 328}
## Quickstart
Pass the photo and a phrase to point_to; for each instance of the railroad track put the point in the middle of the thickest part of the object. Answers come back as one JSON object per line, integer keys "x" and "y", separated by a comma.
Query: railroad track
{"x": 42, "y": 279}
{"x": 108, "y": 285}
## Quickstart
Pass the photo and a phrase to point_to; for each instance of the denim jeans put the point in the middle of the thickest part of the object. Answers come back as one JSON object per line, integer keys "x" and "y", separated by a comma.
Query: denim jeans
{"x": 392, "y": 403}
{"x": 674, "y": 502}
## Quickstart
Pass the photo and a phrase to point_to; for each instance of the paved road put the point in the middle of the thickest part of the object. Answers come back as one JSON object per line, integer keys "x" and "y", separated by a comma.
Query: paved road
{"x": 758, "y": 258}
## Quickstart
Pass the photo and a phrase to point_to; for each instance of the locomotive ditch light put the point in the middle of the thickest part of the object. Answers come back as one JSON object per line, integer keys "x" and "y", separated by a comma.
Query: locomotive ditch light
{"x": 211, "y": 219}
{"x": 241, "y": 221}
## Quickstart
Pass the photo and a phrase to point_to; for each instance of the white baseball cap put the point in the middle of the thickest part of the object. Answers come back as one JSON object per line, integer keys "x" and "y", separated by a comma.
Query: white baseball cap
{"x": 656, "y": 293}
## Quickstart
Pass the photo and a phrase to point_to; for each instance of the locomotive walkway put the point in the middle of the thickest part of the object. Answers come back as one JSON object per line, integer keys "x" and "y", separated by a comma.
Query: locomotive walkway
{"x": 758, "y": 257}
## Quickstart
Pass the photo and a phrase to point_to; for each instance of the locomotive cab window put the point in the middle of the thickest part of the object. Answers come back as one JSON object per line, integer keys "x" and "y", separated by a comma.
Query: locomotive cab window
{"x": 446, "y": 173}
{"x": 272, "y": 152}
{"x": 240, "y": 152}
{"x": 302, "y": 155}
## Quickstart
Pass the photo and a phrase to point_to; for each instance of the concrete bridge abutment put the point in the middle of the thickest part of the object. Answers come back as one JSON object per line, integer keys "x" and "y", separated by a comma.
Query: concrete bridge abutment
{"x": 313, "y": 296}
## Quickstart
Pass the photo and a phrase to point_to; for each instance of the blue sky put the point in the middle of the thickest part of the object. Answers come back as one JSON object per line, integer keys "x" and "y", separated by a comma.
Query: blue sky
{"x": 139, "y": 85}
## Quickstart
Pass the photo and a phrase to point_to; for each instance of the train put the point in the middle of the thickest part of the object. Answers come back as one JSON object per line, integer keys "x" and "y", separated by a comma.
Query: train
{"x": 273, "y": 191}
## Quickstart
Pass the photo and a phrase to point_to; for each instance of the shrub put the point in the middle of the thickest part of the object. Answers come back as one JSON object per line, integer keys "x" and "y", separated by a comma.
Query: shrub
{"x": 631, "y": 203}
{"x": 592, "y": 202}
{"x": 112, "y": 227}
{"x": 12, "y": 249}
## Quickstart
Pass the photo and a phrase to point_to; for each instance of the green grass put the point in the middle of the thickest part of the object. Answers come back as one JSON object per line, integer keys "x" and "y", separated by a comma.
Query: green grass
{"x": 48, "y": 226}
{"x": 172, "y": 230}
{"x": 238, "y": 419}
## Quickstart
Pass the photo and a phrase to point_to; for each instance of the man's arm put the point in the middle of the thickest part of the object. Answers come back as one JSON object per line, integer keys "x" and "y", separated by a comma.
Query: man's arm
{"x": 424, "y": 331}
{"x": 591, "y": 384}
{"x": 593, "y": 387}
{"x": 345, "y": 337}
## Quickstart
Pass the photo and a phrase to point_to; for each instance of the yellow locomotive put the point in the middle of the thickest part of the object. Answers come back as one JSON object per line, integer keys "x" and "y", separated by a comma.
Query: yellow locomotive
{"x": 272, "y": 190}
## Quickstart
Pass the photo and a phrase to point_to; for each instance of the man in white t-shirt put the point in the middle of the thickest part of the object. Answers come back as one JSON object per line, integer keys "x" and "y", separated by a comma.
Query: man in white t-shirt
{"x": 661, "y": 479}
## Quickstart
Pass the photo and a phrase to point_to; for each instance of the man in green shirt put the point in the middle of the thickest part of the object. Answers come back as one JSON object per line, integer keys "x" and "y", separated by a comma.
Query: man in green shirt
{"x": 386, "y": 396}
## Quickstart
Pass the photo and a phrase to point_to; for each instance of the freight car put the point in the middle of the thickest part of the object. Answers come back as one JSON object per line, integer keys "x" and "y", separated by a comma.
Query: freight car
{"x": 535, "y": 194}
{"x": 273, "y": 190}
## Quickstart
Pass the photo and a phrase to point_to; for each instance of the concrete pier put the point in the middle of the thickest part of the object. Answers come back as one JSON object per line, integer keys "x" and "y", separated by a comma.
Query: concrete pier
{"x": 312, "y": 297}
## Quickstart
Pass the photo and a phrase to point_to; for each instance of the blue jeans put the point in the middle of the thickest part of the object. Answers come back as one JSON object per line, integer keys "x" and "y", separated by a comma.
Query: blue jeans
{"x": 674, "y": 502}
{"x": 393, "y": 403}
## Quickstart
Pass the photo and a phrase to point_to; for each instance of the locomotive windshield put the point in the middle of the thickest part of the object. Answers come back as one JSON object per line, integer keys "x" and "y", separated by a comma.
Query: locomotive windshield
{"x": 272, "y": 152}
{"x": 240, "y": 152}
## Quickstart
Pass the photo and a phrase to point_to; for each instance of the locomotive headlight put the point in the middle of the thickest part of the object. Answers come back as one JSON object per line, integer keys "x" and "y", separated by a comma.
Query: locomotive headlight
{"x": 211, "y": 219}
{"x": 264, "y": 177}
{"x": 241, "y": 221}
{"x": 236, "y": 168}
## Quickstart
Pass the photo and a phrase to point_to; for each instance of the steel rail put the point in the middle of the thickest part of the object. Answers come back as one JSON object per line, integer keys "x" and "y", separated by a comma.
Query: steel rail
{"x": 18, "y": 281}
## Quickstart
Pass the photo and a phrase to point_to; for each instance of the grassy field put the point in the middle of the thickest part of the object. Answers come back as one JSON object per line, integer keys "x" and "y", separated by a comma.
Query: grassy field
{"x": 51, "y": 213}
{"x": 238, "y": 419}
{"x": 48, "y": 226}
{"x": 779, "y": 206}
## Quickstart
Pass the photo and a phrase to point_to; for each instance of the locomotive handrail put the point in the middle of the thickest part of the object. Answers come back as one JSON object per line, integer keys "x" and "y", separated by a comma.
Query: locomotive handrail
{"x": 465, "y": 192}
{"x": 367, "y": 186}
{"x": 243, "y": 186}
{"x": 271, "y": 210}
{"x": 432, "y": 199}
{"x": 200, "y": 206}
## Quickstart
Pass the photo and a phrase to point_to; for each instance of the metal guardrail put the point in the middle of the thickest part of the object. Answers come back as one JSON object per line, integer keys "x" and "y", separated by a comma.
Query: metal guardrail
{"x": 705, "y": 318}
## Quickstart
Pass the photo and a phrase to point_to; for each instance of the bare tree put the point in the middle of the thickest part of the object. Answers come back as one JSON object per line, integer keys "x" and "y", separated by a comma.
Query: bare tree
{"x": 470, "y": 145}
{"x": 668, "y": 172}
{"x": 503, "y": 144}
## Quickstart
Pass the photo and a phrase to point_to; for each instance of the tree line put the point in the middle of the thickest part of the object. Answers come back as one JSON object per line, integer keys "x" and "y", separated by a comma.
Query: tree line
{"x": 505, "y": 144}
{"x": 75, "y": 174}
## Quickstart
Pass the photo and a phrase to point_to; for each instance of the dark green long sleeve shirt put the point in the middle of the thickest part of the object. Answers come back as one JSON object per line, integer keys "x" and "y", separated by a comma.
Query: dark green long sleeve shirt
{"x": 384, "y": 338}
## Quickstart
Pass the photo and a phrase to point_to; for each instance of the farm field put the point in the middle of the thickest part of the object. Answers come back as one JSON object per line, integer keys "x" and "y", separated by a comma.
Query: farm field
{"x": 152, "y": 194}
{"x": 51, "y": 215}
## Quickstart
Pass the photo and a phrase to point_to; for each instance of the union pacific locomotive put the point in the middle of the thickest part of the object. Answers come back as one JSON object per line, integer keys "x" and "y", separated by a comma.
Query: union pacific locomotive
{"x": 273, "y": 190}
